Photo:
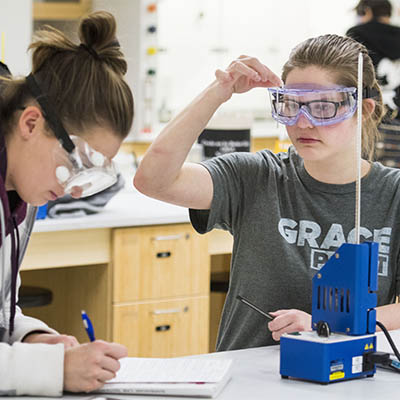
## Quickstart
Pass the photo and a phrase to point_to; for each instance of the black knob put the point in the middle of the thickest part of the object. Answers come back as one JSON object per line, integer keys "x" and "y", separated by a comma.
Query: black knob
{"x": 323, "y": 329}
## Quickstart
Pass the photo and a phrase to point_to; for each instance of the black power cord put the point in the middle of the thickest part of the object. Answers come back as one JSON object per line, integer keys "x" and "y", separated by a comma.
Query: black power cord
{"x": 389, "y": 338}
{"x": 384, "y": 358}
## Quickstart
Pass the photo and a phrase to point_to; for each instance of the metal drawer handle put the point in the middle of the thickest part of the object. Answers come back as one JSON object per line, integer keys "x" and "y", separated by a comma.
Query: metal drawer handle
{"x": 167, "y": 237}
{"x": 164, "y": 254}
{"x": 163, "y": 328}
{"x": 170, "y": 311}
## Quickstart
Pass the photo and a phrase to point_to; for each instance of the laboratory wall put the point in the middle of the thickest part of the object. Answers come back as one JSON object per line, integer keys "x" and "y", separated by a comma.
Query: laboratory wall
{"x": 196, "y": 37}
{"x": 173, "y": 47}
{"x": 15, "y": 34}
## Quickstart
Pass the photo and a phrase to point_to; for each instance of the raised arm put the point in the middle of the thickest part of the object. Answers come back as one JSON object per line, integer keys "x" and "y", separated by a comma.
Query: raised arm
{"x": 163, "y": 173}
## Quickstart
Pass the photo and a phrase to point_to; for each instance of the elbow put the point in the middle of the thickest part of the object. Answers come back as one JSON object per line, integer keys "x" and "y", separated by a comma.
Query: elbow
{"x": 140, "y": 182}
{"x": 146, "y": 184}
{"x": 145, "y": 178}
{"x": 152, "y": 177}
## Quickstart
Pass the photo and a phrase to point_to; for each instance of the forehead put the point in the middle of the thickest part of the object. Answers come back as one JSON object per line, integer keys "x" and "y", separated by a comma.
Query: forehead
{"x": 311, "y": 77}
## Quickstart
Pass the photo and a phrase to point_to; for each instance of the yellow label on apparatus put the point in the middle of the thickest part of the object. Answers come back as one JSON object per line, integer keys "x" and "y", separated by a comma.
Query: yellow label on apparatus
{"x": 336, "y": 375}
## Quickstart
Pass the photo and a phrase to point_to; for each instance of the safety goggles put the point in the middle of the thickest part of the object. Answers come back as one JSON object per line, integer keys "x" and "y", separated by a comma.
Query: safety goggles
{"x": 79, "y": 167}
{"x": 320, "y": 106}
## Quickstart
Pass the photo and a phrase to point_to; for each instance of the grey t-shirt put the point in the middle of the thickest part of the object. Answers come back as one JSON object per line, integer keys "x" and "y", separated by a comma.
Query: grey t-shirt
{"x": 285, "y": 226}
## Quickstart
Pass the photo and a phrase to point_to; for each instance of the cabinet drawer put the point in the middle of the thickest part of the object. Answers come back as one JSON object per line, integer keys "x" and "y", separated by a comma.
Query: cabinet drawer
{"x": 159, "y": 262}
{"x": 163, "y": 329}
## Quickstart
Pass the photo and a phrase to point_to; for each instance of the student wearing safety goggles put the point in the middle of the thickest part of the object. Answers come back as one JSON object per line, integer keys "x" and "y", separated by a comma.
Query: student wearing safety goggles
{"x": 288, "y": 212}
{"x": 60, "y": 128}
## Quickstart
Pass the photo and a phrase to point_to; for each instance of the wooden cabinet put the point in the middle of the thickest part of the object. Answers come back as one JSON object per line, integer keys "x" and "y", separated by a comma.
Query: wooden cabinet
{"x": 74, "y": 265}
{"x": 159, "y": 262}
{"x": 161, "y": 284}
{"x": 163, "y": 328}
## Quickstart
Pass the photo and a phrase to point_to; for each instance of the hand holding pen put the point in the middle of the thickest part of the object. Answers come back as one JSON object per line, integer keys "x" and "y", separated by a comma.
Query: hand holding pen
{"x": 88, "y": 366}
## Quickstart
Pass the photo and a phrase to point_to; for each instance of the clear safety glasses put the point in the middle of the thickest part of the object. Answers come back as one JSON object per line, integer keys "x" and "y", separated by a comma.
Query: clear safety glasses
{"x": 319, "y": 106}
{"x": 85, "y": 169}
{"x": 79, "y": 167}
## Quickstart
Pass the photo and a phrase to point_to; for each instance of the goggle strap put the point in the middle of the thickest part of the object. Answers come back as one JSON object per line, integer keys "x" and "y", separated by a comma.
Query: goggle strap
{"x": 50, "y": 115}
{"x": 75, "y": 161}
{"x": 369, "y": 93}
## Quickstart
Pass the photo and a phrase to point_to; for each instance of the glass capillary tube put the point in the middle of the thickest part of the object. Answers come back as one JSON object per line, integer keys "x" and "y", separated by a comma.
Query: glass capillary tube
{"x": 358, "y": 147}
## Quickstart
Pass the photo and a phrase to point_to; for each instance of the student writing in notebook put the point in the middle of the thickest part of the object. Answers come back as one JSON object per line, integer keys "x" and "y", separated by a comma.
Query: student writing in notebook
{"x": 287, "y": 212}
{"x": 60, "y": 127}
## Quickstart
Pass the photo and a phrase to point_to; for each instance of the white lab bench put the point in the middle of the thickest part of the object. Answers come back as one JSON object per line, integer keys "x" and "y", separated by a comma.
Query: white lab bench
{"x": 256, "y": 376}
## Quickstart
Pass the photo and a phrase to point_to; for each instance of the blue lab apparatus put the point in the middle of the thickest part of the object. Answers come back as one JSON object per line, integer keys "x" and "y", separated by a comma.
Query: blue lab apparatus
{"x": 343, "y": 320}
{"x": 343, "y": 305}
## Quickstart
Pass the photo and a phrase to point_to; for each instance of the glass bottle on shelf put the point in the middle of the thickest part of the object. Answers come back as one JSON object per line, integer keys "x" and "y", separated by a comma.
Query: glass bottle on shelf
{"x": 148, "y": 99}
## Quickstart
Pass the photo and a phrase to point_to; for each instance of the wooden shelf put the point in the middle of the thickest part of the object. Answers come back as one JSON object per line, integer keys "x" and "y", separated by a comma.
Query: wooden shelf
{"x": 60, "y": 11}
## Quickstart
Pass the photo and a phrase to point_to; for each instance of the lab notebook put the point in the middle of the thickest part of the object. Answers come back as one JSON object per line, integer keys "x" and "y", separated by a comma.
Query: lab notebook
{"x": 198, "y": 377}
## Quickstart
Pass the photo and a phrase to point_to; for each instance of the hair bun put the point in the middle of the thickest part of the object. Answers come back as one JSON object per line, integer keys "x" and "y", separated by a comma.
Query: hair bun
{"x": 97, "y": 31}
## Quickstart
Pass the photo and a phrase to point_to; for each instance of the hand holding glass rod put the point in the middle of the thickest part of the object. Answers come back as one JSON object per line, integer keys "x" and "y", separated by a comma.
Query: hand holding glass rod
{"x": 254, "y": 307}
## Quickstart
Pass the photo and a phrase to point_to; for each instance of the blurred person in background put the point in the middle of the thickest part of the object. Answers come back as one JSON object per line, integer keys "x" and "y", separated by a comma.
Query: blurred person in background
{"x": 382, "y": 39}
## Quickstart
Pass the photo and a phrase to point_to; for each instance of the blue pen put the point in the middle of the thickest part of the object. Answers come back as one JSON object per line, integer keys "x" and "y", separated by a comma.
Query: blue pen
{"x": 88, "y": 326}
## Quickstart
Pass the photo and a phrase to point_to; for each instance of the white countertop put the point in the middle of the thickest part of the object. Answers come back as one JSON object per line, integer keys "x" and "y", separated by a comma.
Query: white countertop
{"x": 255, "y": 376}
{"x": 125, "y": 209}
